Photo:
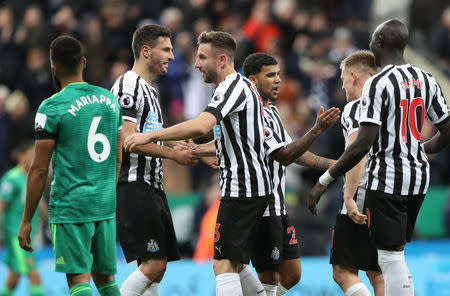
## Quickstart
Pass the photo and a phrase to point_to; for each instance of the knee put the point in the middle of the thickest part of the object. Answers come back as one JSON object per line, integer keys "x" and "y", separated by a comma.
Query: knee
{"x": 226, "y": 266}
{"x": 154, "y": 269}
{"x": 339, "y": 275}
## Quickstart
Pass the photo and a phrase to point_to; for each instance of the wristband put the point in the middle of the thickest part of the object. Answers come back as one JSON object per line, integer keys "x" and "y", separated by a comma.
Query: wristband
{"x": 326, "y": 178}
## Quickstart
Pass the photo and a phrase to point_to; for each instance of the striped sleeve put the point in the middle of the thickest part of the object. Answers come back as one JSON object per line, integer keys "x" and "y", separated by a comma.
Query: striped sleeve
{"x": 229, "y": 97}
{"x": 370, "y": 109}
{"x": 126, "y": 91}
{"x": 272, "y": 141}
{"x": 438, "y": 110}
{"x": 350, "y": 118}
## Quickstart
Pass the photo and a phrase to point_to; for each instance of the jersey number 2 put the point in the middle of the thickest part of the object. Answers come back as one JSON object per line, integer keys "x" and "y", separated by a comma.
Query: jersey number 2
{"x": 97, "y": 137}
{"x": 409, "y": 113}
{"x": 291, "y": 231}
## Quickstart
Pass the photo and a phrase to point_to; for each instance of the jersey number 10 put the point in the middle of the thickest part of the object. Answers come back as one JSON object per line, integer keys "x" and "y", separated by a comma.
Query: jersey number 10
{"x": 94, "y": 138}
{"x": 411, "y": 116}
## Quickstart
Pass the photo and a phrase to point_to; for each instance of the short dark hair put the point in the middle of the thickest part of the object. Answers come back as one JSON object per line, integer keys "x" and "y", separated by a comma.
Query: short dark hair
{"x": 24, "y": 145}
{"x": 66, "y": 53}
{"x": 148, "y": 35}
{"x": 220, "y": 41}
{"x": 254, "y": 63}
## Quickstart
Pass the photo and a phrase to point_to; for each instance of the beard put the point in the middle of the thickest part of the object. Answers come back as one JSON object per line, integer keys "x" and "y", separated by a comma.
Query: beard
{"x": 210, "y": 77}
{"x": 56, "y": 82}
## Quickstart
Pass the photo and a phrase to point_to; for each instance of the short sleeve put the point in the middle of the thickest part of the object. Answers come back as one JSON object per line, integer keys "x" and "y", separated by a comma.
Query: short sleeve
{"x": 350, "y": 118}
{"x": 228, "y": 98}
{"x": 6, "y": 189}
{"x": 438, "y": 111}
{"x": 371, "y": 102}
{"x": 272, "y": 141}
{"x": 46, "y": 123}
{"x": 129, "y": 96}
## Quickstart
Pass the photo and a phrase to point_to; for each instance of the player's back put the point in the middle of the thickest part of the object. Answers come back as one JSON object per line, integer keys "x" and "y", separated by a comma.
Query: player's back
{"x": 397, "y": 99}
{"x": 85, "y": 120}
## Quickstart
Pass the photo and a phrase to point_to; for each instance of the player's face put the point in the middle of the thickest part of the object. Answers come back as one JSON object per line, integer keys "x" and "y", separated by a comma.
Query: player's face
{"x": 26, "y": 157}
{"x": 374, "y": 45}
{"x": 160, "y": 56}
{"x": 56, "y": 81}
{"x": 268, "y": 82}
{"x": 207, "y": 63}
{"x": 348, "y": 84}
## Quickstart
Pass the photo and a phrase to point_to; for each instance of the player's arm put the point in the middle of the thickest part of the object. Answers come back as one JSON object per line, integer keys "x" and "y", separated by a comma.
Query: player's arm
{"x": 186, "y": 130}
{"x": 37, "y": 177}
{"x": 3, "y": 207}
{"x": 440, "y": 140}
{"x": 154, "y": 150}
{"x": 287, "y": 155}
{"x": 352, "y": 180}
{"x": 314, "y": 161}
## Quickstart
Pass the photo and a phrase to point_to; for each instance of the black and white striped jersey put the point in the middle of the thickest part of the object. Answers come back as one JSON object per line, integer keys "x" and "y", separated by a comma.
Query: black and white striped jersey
{"x": 397, "y": 99}
{"x": 140, "y": 104}
{"x": 275, "y": 137}
{"x": 239, "y": 137}
{"x": 350, "y": 125}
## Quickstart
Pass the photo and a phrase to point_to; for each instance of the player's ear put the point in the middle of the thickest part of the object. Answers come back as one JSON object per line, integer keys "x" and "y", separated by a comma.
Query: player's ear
{"x": 253, "y": 79}
{"x": 145, "y": 51}
{"x": 223, "y": 60}
{"x": 354, "y": 77}
{"x": 83, "y": 61}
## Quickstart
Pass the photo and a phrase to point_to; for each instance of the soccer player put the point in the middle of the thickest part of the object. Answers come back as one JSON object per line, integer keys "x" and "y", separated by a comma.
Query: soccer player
{"x": 79, "y": 129}
{"x": 12, "y": 198}
{"x": 392, "y": 111}
{"x": 351, "y": 248}
{"x": 144, "y": 223}
{"x": 276, "y": 253}
{"x": 235, "y": 115}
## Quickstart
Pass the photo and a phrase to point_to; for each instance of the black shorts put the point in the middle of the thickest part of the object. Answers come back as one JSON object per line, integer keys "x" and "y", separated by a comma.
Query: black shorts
{"x": 275, "y": 241}
{"x": 391, "y": 218}
{"x": 235, "y": 227}
{"x": 144, "y": 224}
{"x": 351, "y": 245}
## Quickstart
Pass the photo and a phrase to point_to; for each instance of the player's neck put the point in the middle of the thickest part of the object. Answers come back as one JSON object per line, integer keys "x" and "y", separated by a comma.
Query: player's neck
{"x": 23, "y": 168}
{"x": 395, "y": 58}
{"x": 142, "y": 70}
{"x": 224, "y": 73}
{"x": 65, "y": 81}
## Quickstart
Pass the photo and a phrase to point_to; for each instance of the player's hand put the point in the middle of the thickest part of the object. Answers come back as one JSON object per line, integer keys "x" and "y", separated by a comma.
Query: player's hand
{"x": 186, "y": 157}
{"x": 353, "y": 213}
{"x": 136, "y": 139}
{"x": 211, "y": 161}
{"x": 325, "y": 120}
{"x": 314, "y": 197}
{"x": 185, "y": 145}
{"x": 24, "y": 236}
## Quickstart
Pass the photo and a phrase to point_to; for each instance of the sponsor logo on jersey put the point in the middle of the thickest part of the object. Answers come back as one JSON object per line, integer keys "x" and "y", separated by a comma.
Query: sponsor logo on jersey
{"x": 151, "y": 122}
{"x": 152, "y": 246}
{"x": 365, "y": 102}
{"x": 275, "y": 255}
{"x": 217, "y": 131}
{"x": 219, "y": 249}
{"x": 126, "y": 102}
{"x": 39, "y": 122}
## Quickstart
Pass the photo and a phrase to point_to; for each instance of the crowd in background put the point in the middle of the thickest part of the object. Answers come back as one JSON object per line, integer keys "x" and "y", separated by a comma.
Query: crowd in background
{"x": 308, "y": 38}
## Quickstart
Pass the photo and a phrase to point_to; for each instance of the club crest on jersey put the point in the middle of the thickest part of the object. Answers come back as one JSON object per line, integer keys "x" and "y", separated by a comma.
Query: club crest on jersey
{"x": 365, "y": 102}
{"x": 217, "y": 99}
{"x": 217, "y": 131}
{"x": 275, "y": 255}
{"x": 152, "y": 246}
{"x": 39, "y": 122}
{"x": 126, "y": 102}
{"x": 268, "y": 134}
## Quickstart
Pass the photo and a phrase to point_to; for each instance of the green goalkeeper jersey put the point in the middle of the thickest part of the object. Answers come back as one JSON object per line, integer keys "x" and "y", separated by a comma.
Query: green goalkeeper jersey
{"x": 13, "y": 186}
{"x": 84, "y": 120}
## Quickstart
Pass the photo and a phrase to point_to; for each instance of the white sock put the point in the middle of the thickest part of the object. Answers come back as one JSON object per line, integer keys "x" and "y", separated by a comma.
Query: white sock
{"x": 271, "y": 290}
{"x": 395, "y": 273}
{"x": 135, "y": 284}
{"x": 358, "y": 289}
{"x": 281, "y": 290}
{"x": 153, "y": 290}
{"x": 228, "y": 284}
{"x": 250, "y": 284}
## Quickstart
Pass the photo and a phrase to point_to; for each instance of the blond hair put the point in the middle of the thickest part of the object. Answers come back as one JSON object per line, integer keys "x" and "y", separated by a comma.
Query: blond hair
{"x": 360, "y": 61}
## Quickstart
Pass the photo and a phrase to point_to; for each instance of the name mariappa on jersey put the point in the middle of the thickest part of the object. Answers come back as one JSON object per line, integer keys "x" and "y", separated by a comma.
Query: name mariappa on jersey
{"x": 86, "y": 100}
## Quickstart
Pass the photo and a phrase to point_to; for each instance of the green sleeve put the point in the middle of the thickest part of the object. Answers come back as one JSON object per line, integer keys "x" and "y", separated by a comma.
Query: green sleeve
{"x": 47, "y": 119}
{"x": 6, "y": 189}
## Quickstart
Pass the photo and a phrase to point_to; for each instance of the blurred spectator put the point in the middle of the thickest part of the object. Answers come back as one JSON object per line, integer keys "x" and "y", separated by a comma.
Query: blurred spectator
{"x": 64, "y": 22}
{"x": 32, "y": 32}
{"x": 4, "y": 136}
{"x": 172, "y": 18}
{"x": 116, "y": 70}
{"x": 36, "y": 80}
{"x": 441, "y": 41}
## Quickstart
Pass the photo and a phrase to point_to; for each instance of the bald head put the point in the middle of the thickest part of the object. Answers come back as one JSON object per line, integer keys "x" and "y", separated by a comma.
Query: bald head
{"x": 389, "y": 37}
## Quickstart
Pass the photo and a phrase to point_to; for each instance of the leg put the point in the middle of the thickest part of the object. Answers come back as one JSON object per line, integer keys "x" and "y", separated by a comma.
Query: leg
{"x": 105, "y": 283}
{"x": 149, "y": 271}
{"x": 35, "y": 283}
{"x": 249, "y": 282}
{"x": 377, "y": 281}
{"x": 347, "y": 278}
{"x": 290, "y": 273}
{"x": 79, "y": 284}
{"x": 11, "y": 283}
{"x": 227, "y": 277}
{"x": 395, "y": 272}
{"x": 269, "y": 280}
